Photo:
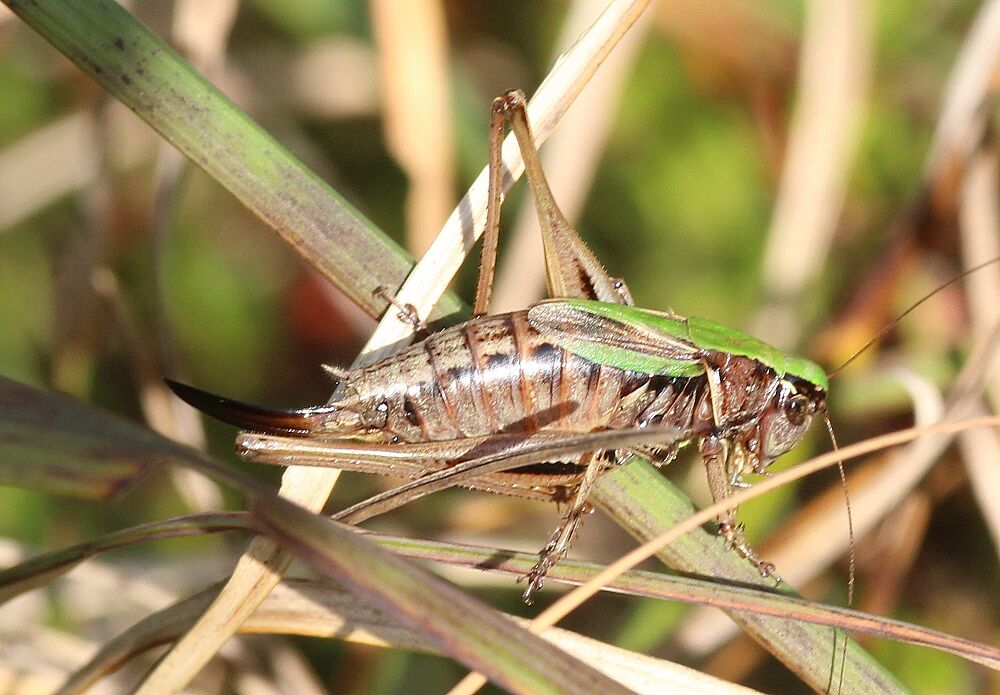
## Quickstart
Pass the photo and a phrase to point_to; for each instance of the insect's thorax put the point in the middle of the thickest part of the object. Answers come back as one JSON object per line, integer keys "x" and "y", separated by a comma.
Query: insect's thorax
{"x": 497, "y": 373}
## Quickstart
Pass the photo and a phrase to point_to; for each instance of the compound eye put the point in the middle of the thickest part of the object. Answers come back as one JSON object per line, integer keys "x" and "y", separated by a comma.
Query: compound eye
{"x": 797, "y": 409}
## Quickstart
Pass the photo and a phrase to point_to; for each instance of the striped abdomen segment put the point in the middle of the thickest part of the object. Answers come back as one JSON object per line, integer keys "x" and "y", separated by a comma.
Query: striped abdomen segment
{"x": 488, "y": 375}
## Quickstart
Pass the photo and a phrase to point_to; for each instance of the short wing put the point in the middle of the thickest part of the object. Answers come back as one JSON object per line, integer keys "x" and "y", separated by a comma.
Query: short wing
{"x": 619, "y": 336}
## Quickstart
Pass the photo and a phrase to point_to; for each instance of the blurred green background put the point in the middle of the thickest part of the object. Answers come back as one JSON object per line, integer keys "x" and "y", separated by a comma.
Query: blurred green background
{"x": 106, "y": 285}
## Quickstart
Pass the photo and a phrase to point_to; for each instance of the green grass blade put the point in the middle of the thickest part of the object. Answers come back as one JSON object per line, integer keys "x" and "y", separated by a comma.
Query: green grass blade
{"x": 707, "y": 592}
{"x": 318, "y": 609}
{"x": 45, "y": 568}
{"x": 53, "y": 444}
{"x": 459, "y": 625}
{"x": 645, "y": 503}
{"x": 139, "y": 69}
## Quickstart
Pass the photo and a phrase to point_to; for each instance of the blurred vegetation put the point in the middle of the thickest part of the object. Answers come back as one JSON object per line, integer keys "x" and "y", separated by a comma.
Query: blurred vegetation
{"x": 680, "y": 207}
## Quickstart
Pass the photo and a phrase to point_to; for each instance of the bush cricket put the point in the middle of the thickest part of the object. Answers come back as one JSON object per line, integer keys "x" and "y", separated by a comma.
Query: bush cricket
{"x": 539, "y": 402}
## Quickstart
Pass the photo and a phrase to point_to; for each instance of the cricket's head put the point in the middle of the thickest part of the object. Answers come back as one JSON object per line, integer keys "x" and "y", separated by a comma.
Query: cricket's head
{"x": 799, "y": 397}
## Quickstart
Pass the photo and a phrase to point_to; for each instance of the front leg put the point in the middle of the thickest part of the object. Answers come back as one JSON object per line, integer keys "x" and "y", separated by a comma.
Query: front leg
{"x": 715, "y": 452}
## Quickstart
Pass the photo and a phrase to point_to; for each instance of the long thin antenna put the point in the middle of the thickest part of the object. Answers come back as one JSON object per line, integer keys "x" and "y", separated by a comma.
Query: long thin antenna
{"x": 851, "y": 557}
{"x": 889, "y": 326}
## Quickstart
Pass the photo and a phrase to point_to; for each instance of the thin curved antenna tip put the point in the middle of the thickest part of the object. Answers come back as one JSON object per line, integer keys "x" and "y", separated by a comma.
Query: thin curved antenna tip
{"x": 850, "y": 515}
{"x": 889, "y": 326}
{"x": 851, "y": 558}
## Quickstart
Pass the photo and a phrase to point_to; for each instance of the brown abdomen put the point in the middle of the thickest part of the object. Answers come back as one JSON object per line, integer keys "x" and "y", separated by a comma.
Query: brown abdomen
{"x": 488, "y": 375}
